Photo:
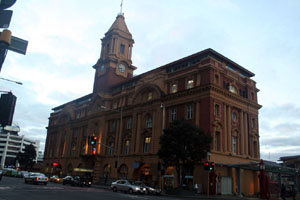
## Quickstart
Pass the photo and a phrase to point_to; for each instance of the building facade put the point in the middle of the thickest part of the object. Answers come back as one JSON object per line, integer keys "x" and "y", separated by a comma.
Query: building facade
{"x": 11, "y": 143}
{"x": 128, "y": 113}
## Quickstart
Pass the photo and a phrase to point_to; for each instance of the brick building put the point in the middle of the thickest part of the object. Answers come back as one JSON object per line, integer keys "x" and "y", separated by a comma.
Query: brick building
{"x": 128, "y": 113}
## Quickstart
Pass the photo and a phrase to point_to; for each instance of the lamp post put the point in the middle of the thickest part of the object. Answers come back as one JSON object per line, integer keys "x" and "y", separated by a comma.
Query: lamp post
{"x": 120, "y": 132}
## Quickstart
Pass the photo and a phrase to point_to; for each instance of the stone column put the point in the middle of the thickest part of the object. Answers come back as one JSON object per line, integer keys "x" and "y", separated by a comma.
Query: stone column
{"x": 138, "y": 134}
{"x": 225, "y": 132}
{"x": 242, "y": 132}
{"x": 246, "y": 134}
{"x": 229, "y": 129}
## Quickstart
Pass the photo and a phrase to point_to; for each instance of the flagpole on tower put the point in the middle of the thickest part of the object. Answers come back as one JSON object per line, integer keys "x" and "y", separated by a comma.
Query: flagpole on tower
{"x": 121, "y": 8}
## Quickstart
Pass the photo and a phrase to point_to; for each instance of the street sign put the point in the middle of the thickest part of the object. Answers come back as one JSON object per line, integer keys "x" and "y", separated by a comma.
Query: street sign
{"x": 17, "y": 45}
{"x": 5, "y": 17}
{"x": 6, "y": 4}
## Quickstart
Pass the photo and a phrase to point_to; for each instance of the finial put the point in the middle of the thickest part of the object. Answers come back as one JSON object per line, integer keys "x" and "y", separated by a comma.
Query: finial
{"x": 121, "y": 6}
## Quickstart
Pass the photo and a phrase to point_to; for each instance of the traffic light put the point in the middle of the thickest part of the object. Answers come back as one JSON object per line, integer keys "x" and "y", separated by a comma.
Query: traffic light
{"x": 206, "y": 166}
{"x": 94, "y": 151}
{"x": 93, "y": 140}
{"x": 209, "y": 166}
{"x": 5, "y": 15}
{"x": 212, "y": 166}
{"x": 55, "y": 164}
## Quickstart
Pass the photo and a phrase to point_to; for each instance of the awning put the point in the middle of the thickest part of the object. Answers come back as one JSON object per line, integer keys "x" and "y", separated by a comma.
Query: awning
{"x": 82, "y": 170}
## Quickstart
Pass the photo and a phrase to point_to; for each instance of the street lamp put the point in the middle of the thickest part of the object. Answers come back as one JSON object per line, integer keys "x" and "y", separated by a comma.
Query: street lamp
{"x": 11, "y": 81}
{"x": 120, "y": 132}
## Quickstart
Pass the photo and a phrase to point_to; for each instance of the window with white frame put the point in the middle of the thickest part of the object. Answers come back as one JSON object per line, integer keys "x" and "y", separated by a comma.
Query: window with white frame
{"x": 173, "y": 114}
{"x": 189, "y": 111}
{"x": 234, "y": 144}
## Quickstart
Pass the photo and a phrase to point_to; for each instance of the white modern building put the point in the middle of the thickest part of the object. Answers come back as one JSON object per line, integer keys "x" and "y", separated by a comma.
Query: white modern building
{"x": 11, "y": 143}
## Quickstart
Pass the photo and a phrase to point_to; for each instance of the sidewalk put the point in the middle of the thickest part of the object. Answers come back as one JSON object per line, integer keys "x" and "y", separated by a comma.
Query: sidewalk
{"x": 190, "y": 195}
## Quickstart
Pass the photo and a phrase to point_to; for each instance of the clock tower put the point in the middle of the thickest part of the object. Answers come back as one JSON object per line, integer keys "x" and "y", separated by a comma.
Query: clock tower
{"x": 114, "y": 65}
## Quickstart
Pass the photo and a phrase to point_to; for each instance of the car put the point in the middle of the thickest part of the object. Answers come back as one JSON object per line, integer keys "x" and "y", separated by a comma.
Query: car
{"x": 21, "y": 174}
{"x": 36, "y": 178}
{"x": 127, "y": 186}
{"x": 149, "y": 190}
{"x": 55, "y": 179}
{"x": 67, "y": 180}
{"x": 80, "y": 181}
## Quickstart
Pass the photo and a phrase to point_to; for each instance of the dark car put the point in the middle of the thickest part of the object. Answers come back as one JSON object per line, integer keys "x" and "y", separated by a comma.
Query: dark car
{"x": 67, "y": 180}
{"x": 80, "y": 181}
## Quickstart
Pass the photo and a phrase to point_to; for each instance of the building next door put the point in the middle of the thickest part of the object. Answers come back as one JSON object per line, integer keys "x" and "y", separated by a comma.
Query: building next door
{"x": 226, "y": 185}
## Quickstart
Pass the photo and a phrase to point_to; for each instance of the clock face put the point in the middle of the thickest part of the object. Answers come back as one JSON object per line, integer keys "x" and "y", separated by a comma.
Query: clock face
{"x": 102, "y": 67}
{"x": 121, "y": 68}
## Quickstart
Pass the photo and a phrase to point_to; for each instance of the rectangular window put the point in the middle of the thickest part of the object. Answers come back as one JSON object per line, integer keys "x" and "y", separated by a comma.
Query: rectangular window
{"x": 234, "y": 145}
{"x": 107, "y": 48}
{"x": 113, "y": 126}
{"x": 190, "y": 84}
{"x": 149, "y": 122}
{"x": 150, "y": 95}
{"x": 129, "y": 123}
{"x": 217, "y": 110}
{"x": 147, "y": 144}
{"x": 122, "y": 48}
{"x": 127, "y": 147}
{"x": 173, "y": 114}
{"x": 110, "y": 148}
{"x": 255, "y": 149}
{"x": 189, "y": 110}
{"x": 218, "y": 141}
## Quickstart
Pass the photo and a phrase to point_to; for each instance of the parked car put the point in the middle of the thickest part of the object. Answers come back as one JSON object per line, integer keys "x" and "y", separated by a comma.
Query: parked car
{"x": 36, "y": 178}
{"x": 127, "y": 186}
{"x": 55, "y": 179}
{"x": 67, "y": 180}
{"x": 149, "y": 190}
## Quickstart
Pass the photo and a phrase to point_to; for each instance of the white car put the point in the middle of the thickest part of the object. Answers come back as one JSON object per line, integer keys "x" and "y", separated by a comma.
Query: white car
{"x": 36, "y": 178}
{"x": 126, "y": 186}
{"x": 149, "y": 190}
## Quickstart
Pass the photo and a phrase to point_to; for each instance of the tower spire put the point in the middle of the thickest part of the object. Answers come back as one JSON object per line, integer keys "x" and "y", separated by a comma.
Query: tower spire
{"x": 121, "y": 7}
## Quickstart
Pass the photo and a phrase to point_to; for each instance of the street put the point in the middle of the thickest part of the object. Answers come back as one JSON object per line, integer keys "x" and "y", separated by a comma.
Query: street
{"x": 15, "y": 189}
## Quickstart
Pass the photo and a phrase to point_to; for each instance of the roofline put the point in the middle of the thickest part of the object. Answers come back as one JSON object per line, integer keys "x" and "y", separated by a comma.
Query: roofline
{"x": 79, "y": 99}
{"x": 209, "y": 50}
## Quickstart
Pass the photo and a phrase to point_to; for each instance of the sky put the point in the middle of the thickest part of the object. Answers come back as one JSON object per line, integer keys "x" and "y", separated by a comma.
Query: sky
{"x": 64, "y": 44}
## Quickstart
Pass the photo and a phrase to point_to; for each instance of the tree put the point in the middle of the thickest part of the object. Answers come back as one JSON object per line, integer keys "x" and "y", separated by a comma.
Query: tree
{"x": 183, "y": 145}
{"x": 26, "y": 159}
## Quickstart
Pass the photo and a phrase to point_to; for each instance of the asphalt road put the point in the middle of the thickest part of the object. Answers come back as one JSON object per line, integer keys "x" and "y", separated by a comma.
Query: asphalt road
{"x": 15, "y": 189}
